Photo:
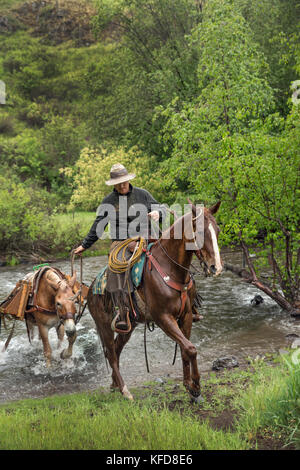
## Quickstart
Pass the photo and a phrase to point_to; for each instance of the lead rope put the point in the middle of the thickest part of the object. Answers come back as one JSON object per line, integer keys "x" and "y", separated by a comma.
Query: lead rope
{"x": 9, "y": 337}
{"x": 145, "y": 347}
{"x": 79, "y": 293}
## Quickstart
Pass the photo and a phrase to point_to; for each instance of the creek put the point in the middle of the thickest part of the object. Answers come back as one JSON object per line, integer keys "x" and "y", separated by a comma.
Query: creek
{"x": 231, "y": 326}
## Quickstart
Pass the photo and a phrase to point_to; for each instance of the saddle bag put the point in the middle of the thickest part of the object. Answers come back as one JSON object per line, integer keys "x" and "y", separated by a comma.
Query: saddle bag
{"x": 16, "y": 303}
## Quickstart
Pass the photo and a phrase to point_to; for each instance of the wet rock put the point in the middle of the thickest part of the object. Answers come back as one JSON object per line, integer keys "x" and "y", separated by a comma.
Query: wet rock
{"x": 226, "y": 362}
{"x": 282, "y": 352}
{"x": 257, "y": 300}
{"x": 292, "y": 336}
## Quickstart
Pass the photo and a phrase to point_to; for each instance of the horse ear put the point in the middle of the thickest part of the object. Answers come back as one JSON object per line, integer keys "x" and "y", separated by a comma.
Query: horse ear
{"x": 213, "y": 209}
{"x": 72, "y": 280}
{"x": 193, "y": 207}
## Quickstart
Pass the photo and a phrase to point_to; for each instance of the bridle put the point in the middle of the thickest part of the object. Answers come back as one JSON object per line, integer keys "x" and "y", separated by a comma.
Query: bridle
{"x": 197, "y": 251}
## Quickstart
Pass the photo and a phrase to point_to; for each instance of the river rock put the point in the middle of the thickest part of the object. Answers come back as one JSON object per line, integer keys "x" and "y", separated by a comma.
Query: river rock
{"x": 226, "y": 362}
{"x": 292, "y": 336}
{"x": 160, "y": 380}
{"x": 257, "y": 300}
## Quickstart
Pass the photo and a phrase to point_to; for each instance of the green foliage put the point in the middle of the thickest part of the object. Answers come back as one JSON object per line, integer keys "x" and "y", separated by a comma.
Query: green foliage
{"x": 151, "y": 63}
{"x": 22, "y": 214}
{"x": 97, "y": 421}
{"x": 271, "y": 402}
{"x": 227, "y": 148}
{"x": 92, "y": 170}
{"x": 275, "y": 25}
{"x": 195, "y": 94}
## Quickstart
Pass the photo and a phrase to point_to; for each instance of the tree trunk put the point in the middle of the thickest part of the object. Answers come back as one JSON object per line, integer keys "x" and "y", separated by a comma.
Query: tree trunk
{"x": 294, "y": 310}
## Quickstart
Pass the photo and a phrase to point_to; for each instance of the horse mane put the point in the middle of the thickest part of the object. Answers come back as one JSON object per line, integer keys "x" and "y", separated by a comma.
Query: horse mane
{"x": 53, "y": 276}
{"x": 169, "y": 232}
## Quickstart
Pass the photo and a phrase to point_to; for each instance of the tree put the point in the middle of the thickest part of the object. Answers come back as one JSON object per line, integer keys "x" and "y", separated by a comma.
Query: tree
{"x": 232, "y": 147}
{"x": 151, "y": 61}
{"x": 275, "y": 25}
{"x": 92, "y": 170}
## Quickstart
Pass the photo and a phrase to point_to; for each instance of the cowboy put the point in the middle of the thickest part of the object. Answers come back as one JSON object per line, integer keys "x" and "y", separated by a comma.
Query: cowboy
{"x": 124, "y": 196}
{"x": 119, "y": 209}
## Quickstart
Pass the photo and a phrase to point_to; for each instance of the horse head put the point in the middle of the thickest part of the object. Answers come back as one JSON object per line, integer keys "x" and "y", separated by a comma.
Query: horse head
{"x": 209, "y": 253}
{"x": 64, "y": 300}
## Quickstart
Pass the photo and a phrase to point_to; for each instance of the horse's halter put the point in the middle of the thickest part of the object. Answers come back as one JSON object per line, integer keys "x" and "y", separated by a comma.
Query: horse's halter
{"x": 67, "y": 315}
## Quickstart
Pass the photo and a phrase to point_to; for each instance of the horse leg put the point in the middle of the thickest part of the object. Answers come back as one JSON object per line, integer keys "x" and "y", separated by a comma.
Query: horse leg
{"x": 43, "y": 331}
{"x": 30, "y": 326}
{"x": 188, "y": 351}
{"x": 120, "y": 341}
{"x": 102, "y": 319}
{"x": 67, "y": 353}
{"x": 108, "y": 340}
{"x": 190, "y": 368}
{"x": 60, "y": 335}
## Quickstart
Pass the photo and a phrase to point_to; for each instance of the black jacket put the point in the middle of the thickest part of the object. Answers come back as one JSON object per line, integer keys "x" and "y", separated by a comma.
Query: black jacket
{"x": 123, "y": 216}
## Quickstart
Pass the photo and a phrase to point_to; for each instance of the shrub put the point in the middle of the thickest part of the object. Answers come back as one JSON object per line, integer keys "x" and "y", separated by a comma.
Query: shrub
{"x": 6, "y": 125}
{"x": 22, "y": 214}
{"x": 92, "y": 170}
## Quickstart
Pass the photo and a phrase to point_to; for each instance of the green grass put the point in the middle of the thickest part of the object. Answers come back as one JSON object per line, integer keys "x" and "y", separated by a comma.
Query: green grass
{"x": 10, "y": 3}
{"x": 69, "y": 229}
{"x": 262, "y": 402}
{"x": 104, "y": 421}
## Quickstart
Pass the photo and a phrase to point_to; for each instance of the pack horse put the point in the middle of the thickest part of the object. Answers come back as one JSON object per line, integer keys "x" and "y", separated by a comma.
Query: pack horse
{"x": 167, "y": 291}
{"x": 46, "y": 299}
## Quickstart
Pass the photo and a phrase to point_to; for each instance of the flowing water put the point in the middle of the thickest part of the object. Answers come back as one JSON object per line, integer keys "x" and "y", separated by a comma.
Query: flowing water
{"x": 231, "y": 326}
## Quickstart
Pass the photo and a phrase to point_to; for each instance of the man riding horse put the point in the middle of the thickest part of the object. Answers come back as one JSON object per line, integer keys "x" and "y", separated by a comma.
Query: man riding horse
{"x": 119, "y": 209}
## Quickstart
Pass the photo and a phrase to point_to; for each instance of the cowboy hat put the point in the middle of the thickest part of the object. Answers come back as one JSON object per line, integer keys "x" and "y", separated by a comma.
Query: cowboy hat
{"x": 119, "y": 174}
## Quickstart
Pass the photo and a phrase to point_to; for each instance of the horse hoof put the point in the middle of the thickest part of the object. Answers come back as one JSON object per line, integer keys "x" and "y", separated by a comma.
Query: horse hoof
{"x": 197, "y": 400}
{"x": 126, "y": 393}
{"x": 64, "y": 354}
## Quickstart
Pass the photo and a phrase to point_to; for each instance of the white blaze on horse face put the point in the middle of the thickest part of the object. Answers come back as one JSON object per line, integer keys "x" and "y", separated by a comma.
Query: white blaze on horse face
{"x": 218, "y": 264}
{"x": 70, "y": 327}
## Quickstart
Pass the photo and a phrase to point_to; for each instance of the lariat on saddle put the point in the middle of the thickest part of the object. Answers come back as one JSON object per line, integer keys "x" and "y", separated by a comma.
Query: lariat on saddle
{"x": 122, "y": 258}
{"x": 135, "y": 245}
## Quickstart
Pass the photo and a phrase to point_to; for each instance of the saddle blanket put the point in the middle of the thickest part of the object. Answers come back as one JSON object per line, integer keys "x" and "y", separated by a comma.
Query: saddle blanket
{"x": 136, "y": 274}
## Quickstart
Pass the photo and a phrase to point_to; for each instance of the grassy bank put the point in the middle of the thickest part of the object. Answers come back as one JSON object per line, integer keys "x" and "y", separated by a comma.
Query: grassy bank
{"x": 55, "y": 237}
{"x": 253, "y": 408}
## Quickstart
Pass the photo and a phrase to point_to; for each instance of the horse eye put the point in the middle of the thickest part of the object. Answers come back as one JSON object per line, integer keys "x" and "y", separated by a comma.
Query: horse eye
{"x": 58, "y": 304}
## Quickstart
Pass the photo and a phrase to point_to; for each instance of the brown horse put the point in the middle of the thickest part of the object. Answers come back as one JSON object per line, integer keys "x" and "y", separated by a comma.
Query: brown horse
{"x": 53, "y": 305}
{"x": 168, "y": 293}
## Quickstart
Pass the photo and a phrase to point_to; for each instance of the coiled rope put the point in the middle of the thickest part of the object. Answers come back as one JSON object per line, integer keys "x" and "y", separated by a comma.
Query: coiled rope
{"x": 119, "y": 264}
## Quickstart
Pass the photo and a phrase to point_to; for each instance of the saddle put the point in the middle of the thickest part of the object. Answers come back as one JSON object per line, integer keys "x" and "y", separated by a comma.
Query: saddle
{"x": 16, "y": 302}
{"x": 22, "y": 298}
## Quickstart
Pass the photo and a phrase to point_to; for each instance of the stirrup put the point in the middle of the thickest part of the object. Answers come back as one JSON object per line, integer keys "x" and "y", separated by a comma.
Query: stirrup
{"x": 126, "y": 324}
